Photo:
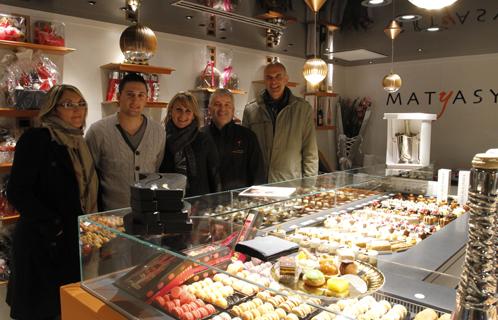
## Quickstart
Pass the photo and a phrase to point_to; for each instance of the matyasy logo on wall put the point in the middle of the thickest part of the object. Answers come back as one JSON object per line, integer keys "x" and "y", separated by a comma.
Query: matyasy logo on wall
{"x": 443, "y": 99}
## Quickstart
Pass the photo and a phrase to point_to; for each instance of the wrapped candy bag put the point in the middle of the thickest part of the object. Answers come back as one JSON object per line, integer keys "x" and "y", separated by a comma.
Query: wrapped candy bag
{"x": 27, "y": 78}
{"x": 229, "y": 79}
{"x": 49, "y": 33}
{"x": 225, "y": 5}
{"x": 12, "y": 27}
{"x": 209, "y": 77}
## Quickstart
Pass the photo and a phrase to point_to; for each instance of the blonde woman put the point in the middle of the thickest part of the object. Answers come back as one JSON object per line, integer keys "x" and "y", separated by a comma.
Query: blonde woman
{"x": 189, "y": 151}
{"x": 52, "y": 182}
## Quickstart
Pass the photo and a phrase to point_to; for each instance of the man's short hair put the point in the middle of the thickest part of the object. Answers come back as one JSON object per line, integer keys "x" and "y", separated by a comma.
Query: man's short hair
{"x": 275, "y": 64}
{"x": 221, "y": 92}
{"x": 131, "y": 77}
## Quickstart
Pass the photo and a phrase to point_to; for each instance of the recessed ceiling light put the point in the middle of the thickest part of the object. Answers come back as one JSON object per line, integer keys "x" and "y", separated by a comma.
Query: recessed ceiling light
{"x": 434, "y": 29}
{"x": 92, "y": 3}
{"x": 408, "y": 17}
{"x": 420, "y": 49}
{"x": 202, "y": 25}
{"x": 223, "y": 38}
{"x": 188, "y": 17}
{"x": 419, "y": 295}
{"x": 290, "y": 44}
{"x": 370, "y": 62}
{"x": 375, "y": 3}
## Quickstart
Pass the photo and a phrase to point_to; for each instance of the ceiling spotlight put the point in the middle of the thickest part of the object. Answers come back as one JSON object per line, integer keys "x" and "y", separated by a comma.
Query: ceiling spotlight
{"x": 434, "y": 27}
{"x": 420, "y": 50}
{"x": 375, "y": 3}
{"x": 188, "y": 17}
{"x": 408, "y": 18}
{"x": 370, "y": 62}
{"x": 92, "y": 3}
{"x": 432, "y": 4}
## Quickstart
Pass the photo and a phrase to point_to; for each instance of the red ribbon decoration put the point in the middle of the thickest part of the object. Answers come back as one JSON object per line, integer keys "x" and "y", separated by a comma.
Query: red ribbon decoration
{"x": 210, "y": 64}
{"x": 227, "y": 73}
{"x": 227, "y": 5}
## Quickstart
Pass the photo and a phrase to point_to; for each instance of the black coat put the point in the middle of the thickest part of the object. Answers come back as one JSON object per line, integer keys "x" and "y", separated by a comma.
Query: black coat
{"x": 206, "y": 158}
{"x": 240, "y": 156}
{"x": 44, "y": 189}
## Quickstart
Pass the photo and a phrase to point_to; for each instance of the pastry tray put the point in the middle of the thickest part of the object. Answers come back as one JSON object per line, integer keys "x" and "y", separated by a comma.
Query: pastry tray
{"x": 374, "y": 277}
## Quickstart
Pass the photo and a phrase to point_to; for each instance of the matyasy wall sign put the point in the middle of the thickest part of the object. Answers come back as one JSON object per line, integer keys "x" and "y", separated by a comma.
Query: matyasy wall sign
{"x": 438, "y": 101}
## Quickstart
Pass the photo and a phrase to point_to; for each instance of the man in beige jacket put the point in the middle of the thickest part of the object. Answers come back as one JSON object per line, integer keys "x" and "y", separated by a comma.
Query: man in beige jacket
{"x": 283, "y": 124}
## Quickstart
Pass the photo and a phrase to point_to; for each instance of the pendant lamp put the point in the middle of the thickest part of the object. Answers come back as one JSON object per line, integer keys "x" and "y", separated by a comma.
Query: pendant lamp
{"x": 315, "y": 69}
{"x": 432, "y": 4}
{"x": 392, "y": 82}
{"x": 138, "y": 43}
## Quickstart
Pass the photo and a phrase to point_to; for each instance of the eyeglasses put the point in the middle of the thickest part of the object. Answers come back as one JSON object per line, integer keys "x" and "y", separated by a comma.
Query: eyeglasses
{"x": 72, "y": 105}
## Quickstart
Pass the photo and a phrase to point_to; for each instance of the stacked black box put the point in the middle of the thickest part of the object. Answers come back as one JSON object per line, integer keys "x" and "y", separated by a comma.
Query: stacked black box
{"x": 157, "y": 204}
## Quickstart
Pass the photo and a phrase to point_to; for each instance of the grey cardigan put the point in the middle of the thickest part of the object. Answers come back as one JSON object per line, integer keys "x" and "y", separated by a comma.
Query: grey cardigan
{"x": 117, "y": 164}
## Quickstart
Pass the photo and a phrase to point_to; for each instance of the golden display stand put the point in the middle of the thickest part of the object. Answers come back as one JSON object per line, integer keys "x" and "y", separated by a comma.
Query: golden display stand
{"x": 77, "y": 304}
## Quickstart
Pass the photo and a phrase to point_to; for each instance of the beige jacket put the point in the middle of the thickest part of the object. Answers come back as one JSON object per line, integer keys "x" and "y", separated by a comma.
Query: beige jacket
{"x": 291, "y": 151}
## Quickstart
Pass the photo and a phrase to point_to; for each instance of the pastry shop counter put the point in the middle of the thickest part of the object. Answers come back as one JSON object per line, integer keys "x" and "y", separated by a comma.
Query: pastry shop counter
{"x": 198, "y": 275}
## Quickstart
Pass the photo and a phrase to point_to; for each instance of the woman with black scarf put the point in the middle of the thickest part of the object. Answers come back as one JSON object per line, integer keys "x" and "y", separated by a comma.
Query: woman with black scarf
{"x": 189, "y": 151}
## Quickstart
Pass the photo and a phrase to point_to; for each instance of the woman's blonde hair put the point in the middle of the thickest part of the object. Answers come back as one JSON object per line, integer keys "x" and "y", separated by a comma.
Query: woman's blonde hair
{"x": 186, "y": 100}
{"x": 52, "y": 98}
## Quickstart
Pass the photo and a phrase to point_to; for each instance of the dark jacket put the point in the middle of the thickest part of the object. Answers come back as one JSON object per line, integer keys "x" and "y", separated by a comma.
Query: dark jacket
{"x": 45, "y": 254}
{"x": 208, "y": 177}
{"x": 240, "y": 156}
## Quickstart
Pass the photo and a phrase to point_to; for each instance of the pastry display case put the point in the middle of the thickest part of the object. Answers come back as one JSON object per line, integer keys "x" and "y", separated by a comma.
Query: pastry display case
{"x": 369, "y": 247}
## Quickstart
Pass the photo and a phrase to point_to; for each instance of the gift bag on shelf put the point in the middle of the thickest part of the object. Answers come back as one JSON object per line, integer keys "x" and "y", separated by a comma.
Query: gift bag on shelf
{"x": 229, "y": 79}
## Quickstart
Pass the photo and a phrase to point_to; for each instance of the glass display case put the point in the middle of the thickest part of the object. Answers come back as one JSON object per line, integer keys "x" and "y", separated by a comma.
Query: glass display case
{"x": 337, "y": 272}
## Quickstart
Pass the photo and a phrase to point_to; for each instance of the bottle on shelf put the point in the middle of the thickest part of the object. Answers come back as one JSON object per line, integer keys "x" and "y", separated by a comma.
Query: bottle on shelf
{"x": 319, "y": 117}
{"x": 329, "y": 114}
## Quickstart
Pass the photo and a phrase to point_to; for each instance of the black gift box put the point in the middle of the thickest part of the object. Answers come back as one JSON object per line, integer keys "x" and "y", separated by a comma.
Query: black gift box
{"x": 267, "y": 248}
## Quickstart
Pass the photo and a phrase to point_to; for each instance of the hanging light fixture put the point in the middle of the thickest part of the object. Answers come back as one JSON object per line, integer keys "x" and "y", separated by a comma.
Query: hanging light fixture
{"x": 137, "y": 42}
{"x": 432, "y": 4}
{"x": 392, "y": 82}
{"x": 315, "y": 69}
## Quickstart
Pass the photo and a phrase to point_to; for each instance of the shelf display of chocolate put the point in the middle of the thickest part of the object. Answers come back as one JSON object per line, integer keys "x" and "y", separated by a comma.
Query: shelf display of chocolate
{"x": 385, "y": 225}
{"x": 287, "y": 210}
{"x": 232, "y": 202}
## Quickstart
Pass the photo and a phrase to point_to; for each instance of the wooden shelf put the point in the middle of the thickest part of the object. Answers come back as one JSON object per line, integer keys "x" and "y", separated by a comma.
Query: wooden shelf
{"x": 5, "y": 167}
{"x": 321, "y": 94}
{"x": 14, "y": 113}
{"x": 149, "y": 104}
{"x": 136, "y": 68}
{"x": 9, "y": 219}
{"x": 274, "y": 14}
{"x": 48, "y": 49}
{"x": 289, "y": 84}
{"x": 3, "y": 283}
{"x": 324, "y": 128}
{"x": 233, "y": 91}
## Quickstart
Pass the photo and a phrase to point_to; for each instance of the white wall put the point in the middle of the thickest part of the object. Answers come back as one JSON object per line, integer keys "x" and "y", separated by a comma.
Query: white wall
{"x": 462, "y": 131}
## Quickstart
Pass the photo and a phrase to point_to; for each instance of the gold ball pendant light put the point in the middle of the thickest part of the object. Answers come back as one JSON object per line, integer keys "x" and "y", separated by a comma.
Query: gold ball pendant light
{"x": 315, "y": 69}
{"x": 138, "y": 44}
{"x": 432, "y": 4}
{"x": 392, "y": 82}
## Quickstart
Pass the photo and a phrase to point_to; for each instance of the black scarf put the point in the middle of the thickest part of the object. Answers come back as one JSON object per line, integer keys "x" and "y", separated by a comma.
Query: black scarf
{"x": 180, "y": 140}
{"x": 275, "y": 106}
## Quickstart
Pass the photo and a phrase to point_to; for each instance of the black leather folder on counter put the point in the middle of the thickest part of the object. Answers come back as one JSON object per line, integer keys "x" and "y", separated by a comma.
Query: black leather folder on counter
{"x": 267, "y": 248}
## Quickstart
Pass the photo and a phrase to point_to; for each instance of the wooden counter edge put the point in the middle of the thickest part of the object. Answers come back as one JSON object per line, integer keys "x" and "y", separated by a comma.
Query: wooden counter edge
{"x": 77, "y": 304}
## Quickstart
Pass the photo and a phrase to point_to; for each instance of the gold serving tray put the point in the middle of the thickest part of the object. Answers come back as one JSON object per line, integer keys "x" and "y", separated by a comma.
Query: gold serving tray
{"x": 372, "y": 276}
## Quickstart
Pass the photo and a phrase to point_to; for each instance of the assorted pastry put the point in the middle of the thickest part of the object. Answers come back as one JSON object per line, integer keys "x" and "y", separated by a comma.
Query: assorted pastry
{"x": 390, "y": 225}
{"x": 94, "y": 236}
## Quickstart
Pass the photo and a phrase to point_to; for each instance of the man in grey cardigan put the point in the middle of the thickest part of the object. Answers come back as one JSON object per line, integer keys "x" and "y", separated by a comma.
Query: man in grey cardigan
{"x": 125, "y": 144}
{"x": 283, "y": 124}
